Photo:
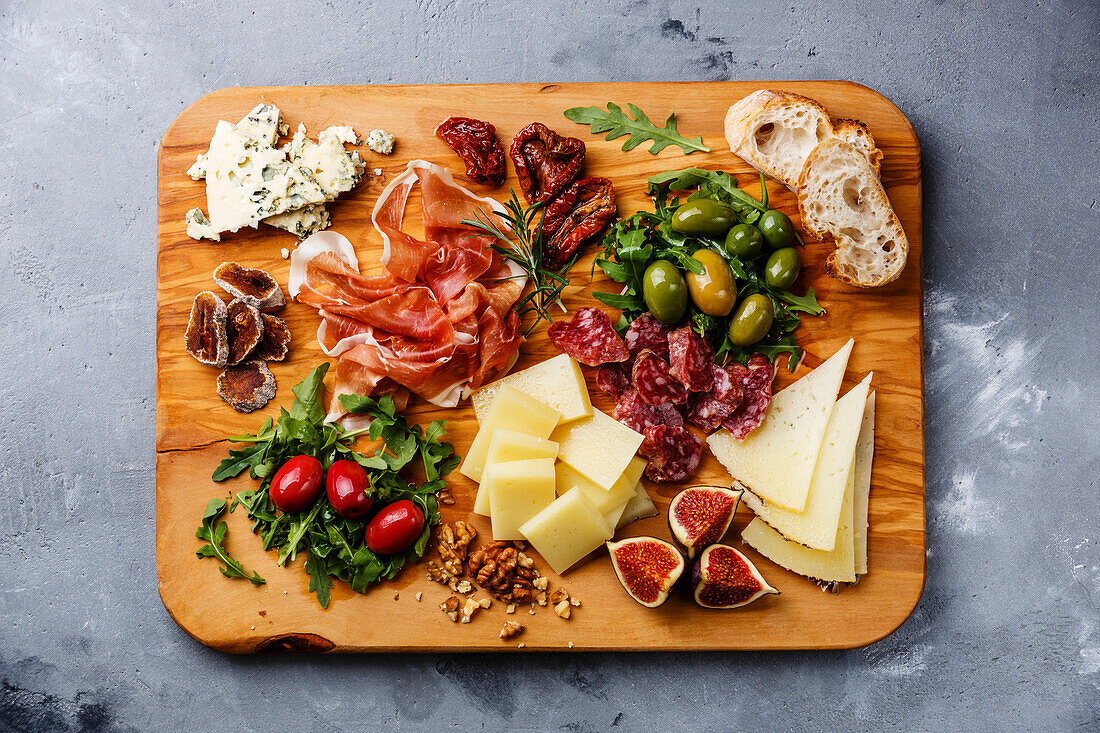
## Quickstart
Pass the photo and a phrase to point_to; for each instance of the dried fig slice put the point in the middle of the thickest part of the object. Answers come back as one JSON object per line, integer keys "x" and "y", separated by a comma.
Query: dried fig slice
{"x": 244, "y": 328}
{"x": 205, "y": 337}
{"x": 276, "y": 340}
{"x": 247, "y": 386}
{"x": 253, "y": 286}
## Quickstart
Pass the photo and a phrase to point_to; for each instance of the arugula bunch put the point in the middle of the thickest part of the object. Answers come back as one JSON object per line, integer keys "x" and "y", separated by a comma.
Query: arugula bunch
{"x": 617, "y": 123}
{"x": 644, "y": 237}
{"x": 334, "y": 546}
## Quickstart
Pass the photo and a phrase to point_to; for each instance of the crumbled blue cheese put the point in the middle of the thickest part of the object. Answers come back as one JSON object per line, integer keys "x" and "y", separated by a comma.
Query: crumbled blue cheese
{"x": 262, "y": 124}
{"x": 197, "y": 171}
{"x": 198, "y": 226}
{"x": 380, "y": 141}
{"x": 302, "y": 222}
{"x": 334, "y": 168}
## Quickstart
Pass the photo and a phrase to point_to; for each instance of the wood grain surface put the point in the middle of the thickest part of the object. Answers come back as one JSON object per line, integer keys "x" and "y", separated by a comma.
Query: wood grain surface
{"x": 192, "y": 421}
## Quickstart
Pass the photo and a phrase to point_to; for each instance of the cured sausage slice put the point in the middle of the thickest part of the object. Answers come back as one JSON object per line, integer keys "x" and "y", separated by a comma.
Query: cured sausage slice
{"x": 654, "y": 382}
{"x": 707, "y": 410}
{"x": 756, "y": 383}
{"x": 690, "y": 359}
{"x": 613, "y": 381}
{"x": 634, "y": 412}
{"x": 673, "y": 453}
{"x": 646, "y": 332}
{"x": 589, "y": 338}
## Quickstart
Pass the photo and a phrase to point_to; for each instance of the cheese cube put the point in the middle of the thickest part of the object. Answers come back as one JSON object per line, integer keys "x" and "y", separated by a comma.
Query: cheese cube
{"x": 506, "y": 446}
{"x": 512, "y": 410}
{"x": 558, "y": 382}
{"x": 603, "y": 499}
{"x": 567, "y": 530}
{"x": 865, "y": 452}
{"x": 518, "y": 491}
{"x": 612, "y": 517}
{"x": 816, "y": 527}
{"x": 599, "y": 447}
{"x": 776, "y": 461}
{"x": 639, "y": 507}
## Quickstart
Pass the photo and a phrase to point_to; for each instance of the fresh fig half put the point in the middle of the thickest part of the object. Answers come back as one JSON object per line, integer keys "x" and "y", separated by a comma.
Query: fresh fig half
{"x": 647, "y": 567}
{"x": 724, "y": 578}
{"x": 700, "y": 515}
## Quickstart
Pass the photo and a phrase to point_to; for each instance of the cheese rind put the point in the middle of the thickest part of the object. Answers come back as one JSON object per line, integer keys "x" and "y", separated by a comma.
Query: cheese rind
{"x": 567, "y": 530}
{"x": 558, "y": 382}
{"x": 816, "y": 527}
{"x": 639, "y": 507}
{"x": 865, "y": 452}
{"x": 599, "y": 447}
{"x": 511, "y": 410}
{"x": 776, "y": 461}
{"x": 518, "y": 491}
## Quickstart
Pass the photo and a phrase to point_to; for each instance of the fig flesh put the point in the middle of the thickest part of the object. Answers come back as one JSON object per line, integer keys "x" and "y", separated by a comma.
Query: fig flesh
{"x": 647, "y": 568}
{"x": 244, "y": 329}
{"x": 253, "y": 286}
{"x": 700, "y": 515}
{"x": 724, "y": 578}
{"x": 248, "y": 386}
{"x": 276, "y": 340}
{"x": 205, "y": 337}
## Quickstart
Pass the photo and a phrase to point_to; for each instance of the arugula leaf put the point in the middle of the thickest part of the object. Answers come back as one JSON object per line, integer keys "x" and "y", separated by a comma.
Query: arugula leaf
{"x": 801, "y": 303}
{"x": 617, "y": 123}
{"x": 308, "y": 403}
{"x": 213, "y": 532}
{"x": 238, "y": 461}
{"x": 319, "y": 581}
{"x": 720, "y": 184}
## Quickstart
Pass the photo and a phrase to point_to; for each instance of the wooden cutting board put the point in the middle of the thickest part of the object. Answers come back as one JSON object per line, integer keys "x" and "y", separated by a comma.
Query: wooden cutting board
{"x": 192, "y": 421}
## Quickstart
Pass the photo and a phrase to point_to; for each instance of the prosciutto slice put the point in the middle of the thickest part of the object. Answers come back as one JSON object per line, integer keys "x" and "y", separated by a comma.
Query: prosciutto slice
{"x": 438, "y": 321}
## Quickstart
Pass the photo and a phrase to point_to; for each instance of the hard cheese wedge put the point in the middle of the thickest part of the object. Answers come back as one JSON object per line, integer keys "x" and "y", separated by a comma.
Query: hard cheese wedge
{"x": 558, "y": 382}
{"x": 567, "y": 530}
{"x": 506, "y": 446}
{"x": 511, "y": 410}
{"x": 865, "y": 451}
{"x": 518, "y": 491}
{"x": 777, "y": 460}
{"x": 599, "y": 447}
{"x": 816, "y": 527}
{"x": 639, "y": 506}
{"x": 836, "y": 565}
{"x": 605, "y": 500}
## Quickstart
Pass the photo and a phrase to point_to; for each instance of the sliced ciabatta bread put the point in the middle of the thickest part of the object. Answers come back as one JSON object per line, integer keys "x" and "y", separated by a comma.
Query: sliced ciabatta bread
{"x": 774, "y": 131}
{"x": 840, "y": 196}
{"x": 859, "y": 135}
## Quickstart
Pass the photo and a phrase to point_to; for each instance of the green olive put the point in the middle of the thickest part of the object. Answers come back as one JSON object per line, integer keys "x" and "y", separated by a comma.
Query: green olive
{"x": 752, "y": 320}
{"x": 777, "y": 229}
{"x": 705, "y": 217}
{"x": 782, "y": 268}
{"x": 664, "y": 291}
{"x": 714, "y": 292}
{"x": 744, "y": 240}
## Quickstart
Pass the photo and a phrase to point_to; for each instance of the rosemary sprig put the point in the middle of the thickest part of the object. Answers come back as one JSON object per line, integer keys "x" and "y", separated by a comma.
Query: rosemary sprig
{"x": 524, "y": 248}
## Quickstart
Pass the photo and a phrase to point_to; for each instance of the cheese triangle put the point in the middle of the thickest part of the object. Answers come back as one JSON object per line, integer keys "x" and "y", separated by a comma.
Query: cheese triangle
{"x": 865, "y": 450}
{"x": 836, "y": 565}
{"x": 776, "y": 461}
{"x": 816, "y": 527}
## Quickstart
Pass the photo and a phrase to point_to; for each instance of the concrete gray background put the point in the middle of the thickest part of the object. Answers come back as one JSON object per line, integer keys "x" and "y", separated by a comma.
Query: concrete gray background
{"x": 1003, "y": 96}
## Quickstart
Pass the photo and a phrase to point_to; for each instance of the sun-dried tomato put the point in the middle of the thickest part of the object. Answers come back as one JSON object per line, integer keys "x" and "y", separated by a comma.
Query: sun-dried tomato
{"x": 545, "y": 161}
{"x": 477, "y": 144}
{"x": 575, "y": 217}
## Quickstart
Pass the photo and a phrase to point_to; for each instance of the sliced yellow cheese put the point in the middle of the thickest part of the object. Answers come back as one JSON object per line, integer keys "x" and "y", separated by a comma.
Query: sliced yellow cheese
{"x": 603, "y": 499}
{"x": 865, "y": 451}
{"x": 518, "y": 491}
{"x": 504, "y": 447}
{"x": 776, "y": 461}
{"x": 558, "y": 382}
{"x": 511, "y": 410}
{"x": 599, "y": 447}
{"x": 816, "y": 527}
{"x": 612, "y": 517}
{"x": 639, "y": 507}
{"x": 567, "y": 530}
{"x": 836, "y": 565}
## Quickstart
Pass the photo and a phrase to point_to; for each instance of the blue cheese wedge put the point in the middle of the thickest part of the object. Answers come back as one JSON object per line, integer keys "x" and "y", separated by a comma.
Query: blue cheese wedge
{"x": 262, "y": 124}
{"x": 335, "y": 169}
{"x": 197, "y": 171}
{"x": 301, "y": 222}
{"x": 380, "y": 141}
{"x": 198, "y": 226}
{"x": 238, "y": 175}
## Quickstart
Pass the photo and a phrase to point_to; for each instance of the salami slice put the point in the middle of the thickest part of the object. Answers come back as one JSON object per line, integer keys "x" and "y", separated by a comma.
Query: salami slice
{"x": 690, "y": 359}
{"x": 707, "y": 410}
{"x": 673, "y": 453}
{"x": 653, "y": 381}
{"x": 613, "y": 380}
{"x": 634, "y": 412}
{"x": 589, "y": 338}
{"x": 756, "y": 382}
{"x": 646, "y": 332}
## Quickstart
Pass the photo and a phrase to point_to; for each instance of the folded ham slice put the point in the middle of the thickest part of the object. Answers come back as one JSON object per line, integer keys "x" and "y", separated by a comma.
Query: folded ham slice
{"x": 438, "y": 321}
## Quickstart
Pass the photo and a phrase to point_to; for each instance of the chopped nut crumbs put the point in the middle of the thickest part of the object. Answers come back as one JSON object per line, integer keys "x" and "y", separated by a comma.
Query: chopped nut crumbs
{"x": 419, "y": 596}
{"x": 562, "y": 609}
{"x": 540, "y": 582}
{"x": 511, "y": 608}
{"x": 510, "y": 629}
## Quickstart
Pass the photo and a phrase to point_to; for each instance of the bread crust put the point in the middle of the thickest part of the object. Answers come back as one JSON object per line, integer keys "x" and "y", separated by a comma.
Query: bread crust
{"x": 743, "y": 119}
{"x": 858, "y": 134}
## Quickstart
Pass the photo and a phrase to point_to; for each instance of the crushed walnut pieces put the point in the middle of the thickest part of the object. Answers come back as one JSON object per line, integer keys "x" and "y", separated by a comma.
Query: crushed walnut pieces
{"x": 510, "y": 629}
{"x": 497, "y": 567}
